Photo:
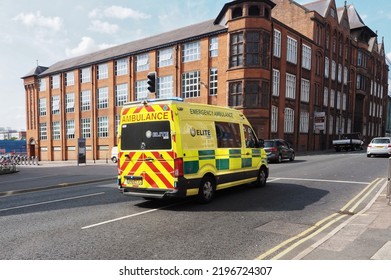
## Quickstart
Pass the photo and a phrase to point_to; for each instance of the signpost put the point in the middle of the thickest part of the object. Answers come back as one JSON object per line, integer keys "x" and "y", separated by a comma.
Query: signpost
{"x": 81, "y": 151}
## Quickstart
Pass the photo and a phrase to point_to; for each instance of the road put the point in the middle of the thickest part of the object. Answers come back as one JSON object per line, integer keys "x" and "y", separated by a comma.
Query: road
{"x": 303, "y": 201}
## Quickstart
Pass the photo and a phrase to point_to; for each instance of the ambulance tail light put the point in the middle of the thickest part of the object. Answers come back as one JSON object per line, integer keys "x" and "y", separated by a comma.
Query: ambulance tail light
{"x": 178, "y": 167}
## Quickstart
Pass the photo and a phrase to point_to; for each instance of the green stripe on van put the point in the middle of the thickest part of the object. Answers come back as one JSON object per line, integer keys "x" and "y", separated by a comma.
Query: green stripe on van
{"x": 191, "y": 167}
{"x": 222, "y": 164}
{"x": 235, "y": 153}
{"x": 207, "y": 154}
{"x": 246, "y": 162}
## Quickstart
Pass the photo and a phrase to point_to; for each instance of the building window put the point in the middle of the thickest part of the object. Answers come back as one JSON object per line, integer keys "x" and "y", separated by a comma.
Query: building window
{"x": 254, "y": 11}
{"x": 305, "y": 90}
{"x": 191, "y": 84}
{"x": 69, "y": 102}
{"x": 191, "y": 52}
{"x": 235, "y": 94}
{"x": 117, "y": 123}
{"x": 304, "y": 121}
{"x": 142, "y": 62}
{"x": 55, "y": 105}
{"x": 103, "y": 127}
{"x": 252, "y": 48}
{"x": 345, "y": 75}
{"x": 344, "y": 100}
{"x": 103, "y": 98}
{"x": 166, "y": 86}
{"x": 237, "y": 50}
{"x": 70, "y": 129}
{"x": 326, "y": 97}
{"x": 43, "y": 132}
{"x": 292, "y": 50}
{"x": 289, "y": 120}
{"x": 332, "y": 98}
{"x": 333, "y": 70}
{"x": 256, "y": 94}
{"x": 141, "y": 90}
{"x": 213, "y": 81}
{"x": 55, "y": 81}
{"x": 85, "y": 126}
{"x": 102, "y": 71}
{"x": 361, "y": 82}
{"x": 326, "y": 67}
{"x": 277, "y": 43}
{"x": 339, "y": 100}
{"x": 121, "y": 94}
{"x": 85, "y": 100}
{"x": 69, "y": 79}
{"x": 214, "y": 47}
{"x": 121, "y": 67}
{"x": 306, "y": 59}
{"x": 166, "y": 57}
{"x": 85, "y": 76}
{"x": 276, "y": 82}
{"x": 237, "y": 12}
{"x": 42, "y": 84}
{"x": 56, "y": 131}
{"x": 290, "y": 91}
{"x": 274, "y": 121}
{"x": 42, "y": 106}
{"x": 339, "y": 73}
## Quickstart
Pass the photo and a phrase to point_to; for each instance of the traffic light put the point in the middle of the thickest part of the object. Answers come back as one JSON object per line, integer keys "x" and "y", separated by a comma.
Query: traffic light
{"x": 152, "y": 82}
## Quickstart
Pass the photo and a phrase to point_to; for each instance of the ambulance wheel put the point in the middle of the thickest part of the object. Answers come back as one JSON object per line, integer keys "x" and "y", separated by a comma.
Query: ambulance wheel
{"x": 262, "y": 176}
{"x": 207, "y": 190}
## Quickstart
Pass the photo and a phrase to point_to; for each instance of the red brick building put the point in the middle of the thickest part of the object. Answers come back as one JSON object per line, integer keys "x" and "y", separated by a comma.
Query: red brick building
{"x": 306, "y": 73}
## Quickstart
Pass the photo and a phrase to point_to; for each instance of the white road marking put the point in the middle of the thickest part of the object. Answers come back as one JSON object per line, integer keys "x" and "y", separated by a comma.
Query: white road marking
{"x": 319, "y": 180}
{"x": 51, "y": 201}
{"x": 131, "y": 216}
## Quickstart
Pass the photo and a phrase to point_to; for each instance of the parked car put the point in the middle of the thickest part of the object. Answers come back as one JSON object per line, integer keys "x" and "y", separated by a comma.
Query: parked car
{"x": 278, "y": 150}
{"x": 114, "y": 154}
{"x": 379, "y": 146}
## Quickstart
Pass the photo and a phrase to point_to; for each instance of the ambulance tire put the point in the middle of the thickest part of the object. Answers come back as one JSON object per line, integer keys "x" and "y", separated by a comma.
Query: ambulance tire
{"x": 207, "y": 189}
{"x": 261, "y": 180}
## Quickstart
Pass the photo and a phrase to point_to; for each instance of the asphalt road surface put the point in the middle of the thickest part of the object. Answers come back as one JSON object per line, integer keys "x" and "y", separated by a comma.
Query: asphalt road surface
{"x": 94, "y": 221}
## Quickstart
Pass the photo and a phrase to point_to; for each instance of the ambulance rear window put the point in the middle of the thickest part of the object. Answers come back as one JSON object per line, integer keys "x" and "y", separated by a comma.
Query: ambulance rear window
{"x": 146, "y": 136}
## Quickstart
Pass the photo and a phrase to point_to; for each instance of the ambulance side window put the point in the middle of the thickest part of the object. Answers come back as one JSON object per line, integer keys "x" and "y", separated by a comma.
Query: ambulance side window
{"x": 250, "y": 138}
{"x": 228, "y": 135}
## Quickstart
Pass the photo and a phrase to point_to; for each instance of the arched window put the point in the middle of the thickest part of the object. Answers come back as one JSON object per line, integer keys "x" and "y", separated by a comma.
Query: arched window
{"x": 237, "y": 12}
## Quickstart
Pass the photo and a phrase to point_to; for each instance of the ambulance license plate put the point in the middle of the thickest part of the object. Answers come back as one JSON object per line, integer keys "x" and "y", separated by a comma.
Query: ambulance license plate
{"x": 134, "y": 182}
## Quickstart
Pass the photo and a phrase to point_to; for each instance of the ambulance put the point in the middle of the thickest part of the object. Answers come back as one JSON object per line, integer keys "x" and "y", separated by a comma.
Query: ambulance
{"x": 171, "y": 148}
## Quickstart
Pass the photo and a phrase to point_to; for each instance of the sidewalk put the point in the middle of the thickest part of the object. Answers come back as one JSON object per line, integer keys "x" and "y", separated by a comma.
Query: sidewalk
{"x": 365, "y": 236}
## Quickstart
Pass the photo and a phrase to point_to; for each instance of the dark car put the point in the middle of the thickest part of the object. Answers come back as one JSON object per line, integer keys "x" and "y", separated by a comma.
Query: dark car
{"x": 278, "y": 150}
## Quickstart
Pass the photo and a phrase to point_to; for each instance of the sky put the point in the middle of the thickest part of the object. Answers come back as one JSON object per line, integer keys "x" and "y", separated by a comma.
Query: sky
{"x": 44, "y": 32}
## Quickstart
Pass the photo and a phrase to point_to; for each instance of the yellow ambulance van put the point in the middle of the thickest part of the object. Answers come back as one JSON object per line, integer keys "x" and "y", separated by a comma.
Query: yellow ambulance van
{"x": 170, "y": 148}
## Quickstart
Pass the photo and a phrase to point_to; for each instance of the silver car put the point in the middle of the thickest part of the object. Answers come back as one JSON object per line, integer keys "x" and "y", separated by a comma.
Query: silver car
{"x": 379, "y": 146}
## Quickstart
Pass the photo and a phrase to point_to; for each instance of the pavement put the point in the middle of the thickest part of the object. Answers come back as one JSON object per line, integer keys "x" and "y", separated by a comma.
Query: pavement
{"x": 366, "y": 235}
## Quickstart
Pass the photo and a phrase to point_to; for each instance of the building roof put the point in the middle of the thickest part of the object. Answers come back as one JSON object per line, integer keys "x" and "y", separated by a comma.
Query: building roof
{"x": 356, "y": 22}
{"x": 158, "y": 41}
{"x": 36, "y": 71}
{"x": 320, "y": 6}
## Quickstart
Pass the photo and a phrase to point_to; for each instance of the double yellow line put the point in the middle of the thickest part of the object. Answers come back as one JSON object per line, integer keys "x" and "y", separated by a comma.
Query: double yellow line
{"x": 295, "y": 241}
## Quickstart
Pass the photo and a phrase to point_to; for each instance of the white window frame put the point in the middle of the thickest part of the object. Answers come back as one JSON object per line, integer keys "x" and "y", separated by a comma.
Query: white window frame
{"x": 214, "y": 47}
{"x": 165, "y": 57}
{"x": 103, "y": 127}
{"x": 121, "y": 94}
{"x": 69, "y": 78}
{"x": 142, "y": 62}
{"x": 277, "y": 43}
{"x": 191, "y": 84}
{"x": 70, "y": 129}
{"x": 276, "y": 82}
{"x": 305, "y": 90}
{"x": 69, "y": 102}
{"x": 289, "y": 120}
{"x": 85, "y": 75}
{"x": 326, "y": 97}
{"x": 213, "y": 81}
{"x": 121, "y": 67}
{"x": 103, "y": 71}
{"x": 55, "y": 105}
{"x": 85, "y": 100}
{"x": 304, "y": 121}
{"x": 42, "y": 106}
{"x": 56, "y": 130}
{"x": 191, "y": 51}
{"x": 55, "y": 81}
{"x": 291, "y": 50}
{"x": 274, "y": 121}
{"x": 103, "y": 98}
{"x": 85, "y": 127}
{"x": 306, "y": 57}
{"x": 166, "y": 86}
{"x": 290, "y": 91}
{"x": 142, "y": 90}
